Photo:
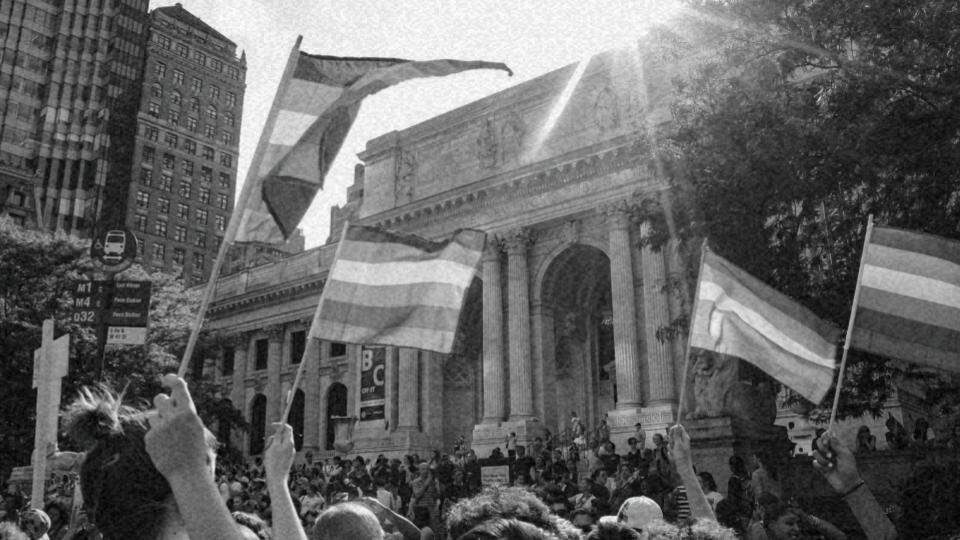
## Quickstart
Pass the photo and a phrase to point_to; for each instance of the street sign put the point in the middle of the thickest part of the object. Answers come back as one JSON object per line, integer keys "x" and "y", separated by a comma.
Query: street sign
{"x": 115, "y": 249}
{"x": 122, "y": 306}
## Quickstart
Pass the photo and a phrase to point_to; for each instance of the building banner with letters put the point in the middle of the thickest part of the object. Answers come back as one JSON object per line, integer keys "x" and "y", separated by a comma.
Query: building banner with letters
{"x": 373, "y": 367}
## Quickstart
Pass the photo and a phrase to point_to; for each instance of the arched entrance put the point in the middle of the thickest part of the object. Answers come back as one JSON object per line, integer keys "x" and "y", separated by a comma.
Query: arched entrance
{"x": 577, "y": 336}
{"x": 258, "y": 424}
{"x": 224, "y": 431}
{"x": 295, "y": 419}
{"x": 336, "y": 406}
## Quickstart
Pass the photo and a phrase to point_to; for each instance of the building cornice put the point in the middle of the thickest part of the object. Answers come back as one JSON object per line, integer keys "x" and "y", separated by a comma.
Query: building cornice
{"x": 278, "y": 294}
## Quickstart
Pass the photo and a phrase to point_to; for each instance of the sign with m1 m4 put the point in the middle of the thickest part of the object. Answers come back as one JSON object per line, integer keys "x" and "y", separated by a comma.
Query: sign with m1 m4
{"x": 122, "y": 306}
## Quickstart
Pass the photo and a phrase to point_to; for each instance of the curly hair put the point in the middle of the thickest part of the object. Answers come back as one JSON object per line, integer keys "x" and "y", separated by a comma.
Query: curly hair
{"x": 123, "y": 493}
{"x": 507, "y": 503}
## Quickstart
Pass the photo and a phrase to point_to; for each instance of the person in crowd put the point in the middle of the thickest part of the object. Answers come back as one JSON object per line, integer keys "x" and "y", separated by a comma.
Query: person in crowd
{"x": 896, "y": 435}
{"x": 507, "y": 503}
{"x": 709, "y": 486}
{"x": 509, "y": 529}
{"x": 661, "y": 457}
{"x": 59, "y": 519}
{"x": 277, "y": 460}
{"x": 607, "y": 529}
{"x": 35, "y": 523}
{"x": 839, "y": 467}
{"x": 148, "y": 475}
{"x": 784, "y": 521}
{"x": 348, "y": 520}
{"x": 634, "y": 454}
{"x": 510, "y": 443}
{"x": 424, "y": 499}
{"x": 523, "y": 464}
{"x": 922, "y": 432}
{"x": 13, "y": 501}
{"x": 866, "y": 441}
{"x": 252, "y": 527}
{"x": 10, "y": 531}
{"x": 583, "y": 519}
{"x": 585, "y": 499}
{"x": 765, "y": 477}
{"x": 609, "y": 459}
{"x": 739, "y": 491}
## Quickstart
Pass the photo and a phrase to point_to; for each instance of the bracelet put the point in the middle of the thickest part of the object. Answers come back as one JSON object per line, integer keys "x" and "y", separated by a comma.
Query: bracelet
{"x": 859, "y": 485}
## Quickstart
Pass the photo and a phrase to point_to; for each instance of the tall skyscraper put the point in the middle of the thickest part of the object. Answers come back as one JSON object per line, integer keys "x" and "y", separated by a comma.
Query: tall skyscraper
{"x": 187, "y": 139}
{"x": 70, "y": 73}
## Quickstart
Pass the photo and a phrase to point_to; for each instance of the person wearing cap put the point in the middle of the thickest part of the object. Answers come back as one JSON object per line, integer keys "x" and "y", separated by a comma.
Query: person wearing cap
{"x": 35, "y": 523}
{"x": 639, "y": 512}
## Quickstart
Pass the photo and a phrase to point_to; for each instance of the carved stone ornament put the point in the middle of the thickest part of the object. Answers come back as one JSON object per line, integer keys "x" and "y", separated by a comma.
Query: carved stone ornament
{"x": 605, "y": 112}
{"x": 718, "y": 391}
{"x": 406, "y": 169}
{"x": 275, "y": 332}
{"x": 487, "y": 145}
{"x": 571, "y": 231}
{"x": 511, "y": 139}
{"x": 517, "y": 240}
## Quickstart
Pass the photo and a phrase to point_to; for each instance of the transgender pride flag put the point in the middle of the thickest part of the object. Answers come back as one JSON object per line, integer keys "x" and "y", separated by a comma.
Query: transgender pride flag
{"x": 386, "y": 288}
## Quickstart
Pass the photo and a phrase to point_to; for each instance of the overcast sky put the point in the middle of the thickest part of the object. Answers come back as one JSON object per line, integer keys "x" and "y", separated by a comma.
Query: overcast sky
{"x": 531, "y": 37}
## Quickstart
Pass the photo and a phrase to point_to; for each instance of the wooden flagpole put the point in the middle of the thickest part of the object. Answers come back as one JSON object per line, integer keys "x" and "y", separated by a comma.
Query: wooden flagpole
{"x": 693, "y": 312}
{"x": 237, "y": 215}
{"x": 853, "y": 317}
{"x": 313, "y": 344}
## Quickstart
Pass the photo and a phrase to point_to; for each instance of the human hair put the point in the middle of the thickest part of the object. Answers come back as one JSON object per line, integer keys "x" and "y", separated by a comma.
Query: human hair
{"x": 255, "y": 523}
{"x": 347, "y": 520}
{"x": 124, "y": 495}
{"x": 708, "y": 480}
{"x": 507, "y": 529}
{"x": 506, "y": 503}
{"x": 775, "y": 510}
{"x": 612, "y": 530}
{"x": 10, "y": 531}
{"x": 737, "y": 465}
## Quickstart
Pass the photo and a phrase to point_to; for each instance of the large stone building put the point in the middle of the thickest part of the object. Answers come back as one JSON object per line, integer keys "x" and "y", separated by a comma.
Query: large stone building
{"x": 188, "y": 133}
{"x": 565, "y": 312}
{"x": 70, "y": 75}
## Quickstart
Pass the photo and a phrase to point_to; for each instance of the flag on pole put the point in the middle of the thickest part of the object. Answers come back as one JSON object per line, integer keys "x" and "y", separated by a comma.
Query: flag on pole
{"x": 739, "y": 315}
{"x": 315, "y": 109}
{"x": 909, "y": 302}
{"x": 386, "y": 288}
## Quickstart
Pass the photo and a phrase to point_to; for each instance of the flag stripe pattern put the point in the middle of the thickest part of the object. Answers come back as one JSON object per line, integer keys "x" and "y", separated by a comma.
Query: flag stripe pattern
{"x": 316, "y": 109}
{"x": 738, "y": 315}
{"x": 909, "y": 302}
{"x": 408, "y": 293}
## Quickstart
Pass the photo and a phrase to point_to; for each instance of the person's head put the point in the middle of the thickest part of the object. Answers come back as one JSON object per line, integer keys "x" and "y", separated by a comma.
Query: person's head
{"x": 506, "y": 503}
{"x": 347, "y": 520}
{"x": 639, "y": 512}
{"x": 737, "y": 466}
{"x": 600, "y": 476}
{"x": 658, "y": 440}
{"x": 512, "y": 529}
{"x": 632, "y": 443}
{"x": 35, "y": 523}
{"x": 58, "y": 513}
{"x": 586, "y": 485}
{"x": 611, "y": 529}
{"x": 9, "y": 531}
{"x": 424, "y": 470}
{"x": 582, "y": 519}
{"x": 521, "y": 451}
{"x": 782, "y": 521}
{"x": 124, "y": 495}
{"x": 610, "y": 447}
{"x": 707, "y": 483}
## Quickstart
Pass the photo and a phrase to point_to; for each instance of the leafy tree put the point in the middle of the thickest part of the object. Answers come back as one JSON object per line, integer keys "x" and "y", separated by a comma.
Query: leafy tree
{"x": 38, "y": 271}
{"x": 799, "y": 119}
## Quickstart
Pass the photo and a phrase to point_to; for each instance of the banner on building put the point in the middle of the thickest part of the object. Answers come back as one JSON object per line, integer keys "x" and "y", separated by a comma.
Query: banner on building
{"x": 373, "y": 365}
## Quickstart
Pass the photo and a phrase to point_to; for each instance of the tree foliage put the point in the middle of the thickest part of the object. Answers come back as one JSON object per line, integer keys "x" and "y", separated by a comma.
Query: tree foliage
{"x": 801, "y": 118}
{"x": 37, "y": 273}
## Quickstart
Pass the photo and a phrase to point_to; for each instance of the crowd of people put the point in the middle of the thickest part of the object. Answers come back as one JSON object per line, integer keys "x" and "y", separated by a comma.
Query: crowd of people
{"x": 153, "y": 475}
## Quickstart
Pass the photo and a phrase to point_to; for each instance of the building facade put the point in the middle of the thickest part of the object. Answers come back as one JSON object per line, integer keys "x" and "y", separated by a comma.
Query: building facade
{"x": 564, "y": 315}
{"x": 70, "y": 73}
{"x": 188, "y": 131}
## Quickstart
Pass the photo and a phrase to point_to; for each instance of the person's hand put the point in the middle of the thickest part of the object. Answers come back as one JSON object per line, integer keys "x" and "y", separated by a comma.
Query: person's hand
{"x": 836, "y": 463}
{"x": 679, "y": 448}
{"x": 278, "y": 457}
{"x": 176, "y": 441}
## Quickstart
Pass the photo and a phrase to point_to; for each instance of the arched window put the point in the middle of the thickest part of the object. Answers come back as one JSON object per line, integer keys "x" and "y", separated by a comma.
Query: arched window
{"x": 336, "y": 406}
{"x": 175, "y": 97}
{"x": 211, "y": 112}
{"x": 258, "y": 423}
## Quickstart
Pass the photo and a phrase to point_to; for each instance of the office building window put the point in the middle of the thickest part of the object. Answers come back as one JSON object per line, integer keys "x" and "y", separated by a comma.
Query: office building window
{"x": 194, "y": 105}
{"x": 226, "y": 137}
{"x": 298, "y": 343}
{"x": 200, "y": 216}
{"x": 221, "y": 222}
{"x": 229, "y": 119}
{"x": 216, "y": 65}
{"x": 222, "y": 201}
{"x": 166, "y": 182}
{"x": 224, "y": 180}
{"x": 231, "y": 99}
{"x": 143, "y": 200}
{"x": 162, "y": 40}
{"x": 151, "y": 133}
{"x": 180, "y": 234}
{"x": 140, "y": 223}
{"x": 146, "y": 176}
{"x": 178, "y": 255}
{"x": 168, "y": 161}
{"x": 197, "y": 262}
{"x": 196, "y": 85}
{"x": 186, "y": 186}
{"x": 203, "y": 196}
{"x": 183, "y": 212}
{"x": 233, "y": 72}
{"x": 158, "y": 252}
{"x": 173, "y": 117}
{"x": 160, "y": 226}
{"x": 214, "y": 91}
{"x": 148, "y": 154}
{"x": 190, "y": 146}
{"x": 199, "y": 57}
{"x": 163, "y": 205}
{"x": 177, "y": 77}
{"x": 226, "y": 159}
{"x": 208, "y": 152}
{"x": 192, "y": 123}
{"x": 181, "y": 49}
{"x": 226, "y": 364}
{"x": 170, "y": 139}
{"x": 160, "y": 69}
{"x": 206, "y": 174}
{"x": 210, "y": 130}
{"x": 211, "y": 112}
{"x": 156, "y": 91}
{"x": 187, "y": 167}
{"x": 175, "y": 97}
{"x": 200, "y": 240}
{"x": 153, "y": 109}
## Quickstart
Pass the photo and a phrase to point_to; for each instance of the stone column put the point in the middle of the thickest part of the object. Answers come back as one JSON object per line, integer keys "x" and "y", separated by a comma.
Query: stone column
{"x": 625, "y": 339}
{"x": 409, "y": 400}
{"x": 241, "y": 348}
{"x": 311, "y": 395}
{"x": 392, "y": 387}
{"x": 656, "y": 315}
{"x": 274, "y": 364}
{"x": 518, "y": 299}
{"x": 493, "y": 372}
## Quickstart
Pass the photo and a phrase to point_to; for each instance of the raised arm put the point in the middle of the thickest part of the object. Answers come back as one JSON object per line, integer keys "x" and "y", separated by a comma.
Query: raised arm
{"x": 277, "y": 459}
{"x": 837, "y": 464}
{"x": 177, "y": 445}
{"x": 681, "y": 457}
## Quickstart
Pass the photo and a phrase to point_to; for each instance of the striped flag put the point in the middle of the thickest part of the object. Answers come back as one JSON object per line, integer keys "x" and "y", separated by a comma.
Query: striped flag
{"x": 909, "y": 298}
{"x": 738, "y": 315}
{"x": 386, "y": 288}
{"x": 314, "y": 109}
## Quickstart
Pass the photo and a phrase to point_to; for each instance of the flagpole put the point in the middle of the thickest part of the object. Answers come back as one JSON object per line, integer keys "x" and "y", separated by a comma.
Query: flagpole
{"x": 313, "y": 344}
{"x": 693, "y": 313}
{"x": 853, "y": 317}
{"x": 237, "y": 215}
